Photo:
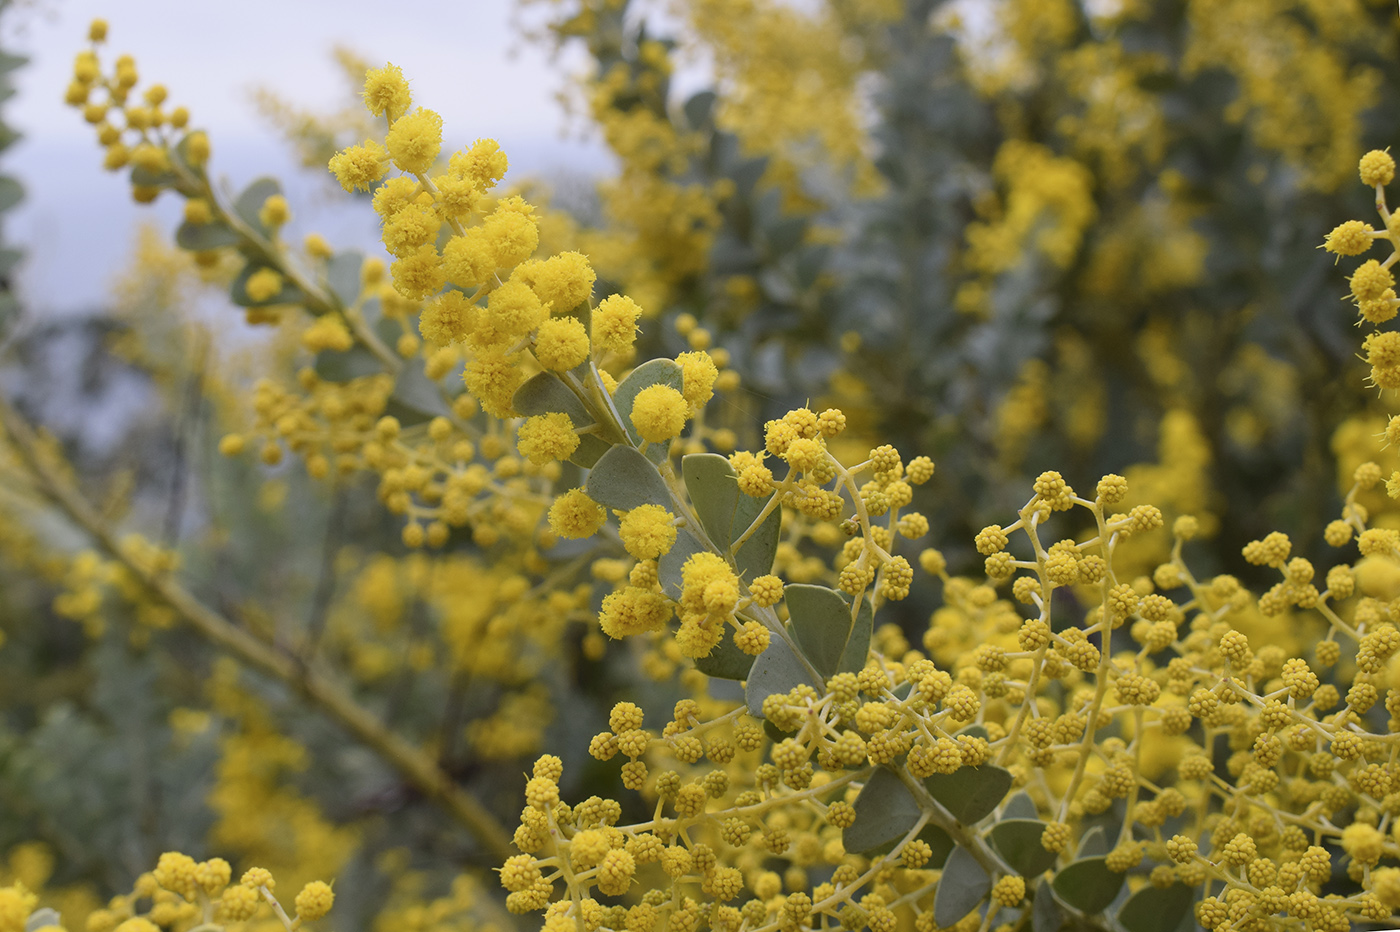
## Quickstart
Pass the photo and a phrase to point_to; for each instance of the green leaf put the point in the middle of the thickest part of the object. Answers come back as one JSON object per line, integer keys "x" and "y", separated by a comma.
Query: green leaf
{"x": 668, "y": 568}
{"x": 714, "y": 491}
{"x": 343, "y": 276}
{"x": 885, "y": 812}
{"x": 545, "y": 393}
{"x": 41, "y": 919}
{"x": 1156, "y": 909}
{"x": 9, "y": 258}
{"x": 1020, "y": 806}
{"x": 146, "y": 178}
{"x": 624, "y": 479}
{"x": 1046, "y": 915}
{"x": 1088, "y": 885}
{"x": 11, "y": 192}
{"x": 248, "y": 204}
{"x": 821, "y": 618}
{"x": 354, "y": 363}
{"x": 726, "y": 661}
{"x": 755, "y": 558}
{"x": 654, "y": 372}
{"x": 963, "y": 885}
{"x": 238, "y": 291}
{"x": 197, "y": 237}
{"x": 777, "y": 670}
{"x": 590, "y": 451}
{"x": 1018, "y": 842}
{"x": 970, "y": 793}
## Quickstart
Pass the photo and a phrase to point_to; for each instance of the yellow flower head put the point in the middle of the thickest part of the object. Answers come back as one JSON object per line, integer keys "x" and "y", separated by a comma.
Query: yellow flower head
{"x": 415, "y": 140}
{"x": 386, "y": 92}
{"x": 615, "y": 324}
{"x": 659, "y": 413}
{"x": 548, "y": 437}
{"x": 484, "y": 163}
{"x": 561, "y": 344}
{"x": 448, "y": 318}
{"x": 647, "y": 532}
{"x": 574, "y": 515}
{"x": 633, "y": 611}
{"x": 700, "y": 373}
{"x": 564, "y": 281}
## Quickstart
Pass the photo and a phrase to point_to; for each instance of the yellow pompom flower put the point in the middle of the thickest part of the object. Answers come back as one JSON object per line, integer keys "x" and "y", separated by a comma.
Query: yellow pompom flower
{"x": 484, "y": 163}
{"x": 386, "y": 92}
{"x": 263, "y": 285}
{"x": 574, "y": 515}
{"x": 512, "y": 231}
{"x": 615, "y": 324}
{"x": 417, "y": 274}
{"x": 314, "y": 900}
{"x": 700, "y": 373}
{"x": 448, "y": 318}
{"x": 1376, "y": 167}
{"x": 647, "y": 531}
{"x": 469, "y": 259}
{"x": 633, "y": 611}
{"x": 514, "y": 309}
{"x": 564, "y": 281}
{"x": 359, "y": 167}
{"x": 561, "y": 344}
{"x": 548, "y": 437}
{"x": 659, "y": 413}
{"x": 16, "y": 903}
{"x": 415, "y": 140}
{"x": 492, "y": 379}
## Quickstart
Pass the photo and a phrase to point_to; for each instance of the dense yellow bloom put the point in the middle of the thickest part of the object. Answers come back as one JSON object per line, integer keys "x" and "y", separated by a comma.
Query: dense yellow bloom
{"x": 415, "y": 140}
{"x": 359, "y": 167}
{"x": 614, "y": 324}
{"x": 386, "y": 92}
{"x": 314, "y": 900}
{"x": 547, "y": 437}
{"x": 448, "y": 318}
{"x": 647, "y": 531}
{"x": 564, "y": 281}
{"x": 659, "y": 413}
{"x": 561, "y": 344}
{"x": 1377, "y": 167}
{"x": 633, "y": 611}
{"x": 574, "y": 515}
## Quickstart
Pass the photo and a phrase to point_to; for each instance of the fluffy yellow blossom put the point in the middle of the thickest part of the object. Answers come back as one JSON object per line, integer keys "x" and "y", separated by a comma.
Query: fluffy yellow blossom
{"x": 647, "y": 531}
{"x": 574, "y": 515}
{"x": 386, "y": 92}
{"x": 263, "y": 285}
{"x": 16, "y": 903}
{"x": 561, "y": 344}
{"x": 614, "y": 324}
{"x": 415, "y": 140}
{"x": 484, "y": 163}
{"x": 448, "y": 318}
{"x": 659, "y": 413}
{"x": 547, "y": 437}
{"x": 1376, "y": 167}
{"x": 699, "y": 372}
{"x": 314, "y": 900}
{"x": 564, "y": 281}
{"x": 357, "y": 168}
{"x": 633, "y": 611}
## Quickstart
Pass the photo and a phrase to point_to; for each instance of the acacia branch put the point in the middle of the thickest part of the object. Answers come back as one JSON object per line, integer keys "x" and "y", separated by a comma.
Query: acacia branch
{"x": 417, "y": 767}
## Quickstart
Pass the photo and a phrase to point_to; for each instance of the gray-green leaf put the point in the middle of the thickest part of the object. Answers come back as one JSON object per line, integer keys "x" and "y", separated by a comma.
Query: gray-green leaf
{"x": 821, "y": 619}
{"x": 755, "y": 557}
{"x": 1088, "y": 885}
{"x": 885, "y": 812}
{"x": 248, "y": 204}
{"x": 777, "y": 670}
{"x": 963, "y": 885}
{"x": 343, "y": 276}
{"x": 624, "y": 479}
{"x": 714, "y": 492}
{"x": 198, "y": 237}
{"x": 1020, "y": 806}
{"x": 970, "y": 793}
{"x": 1018, "y": 842}
{"x": 1046, "y": 915}
{"x": 1156, "y": 909}
{"x": 726, "y": 661}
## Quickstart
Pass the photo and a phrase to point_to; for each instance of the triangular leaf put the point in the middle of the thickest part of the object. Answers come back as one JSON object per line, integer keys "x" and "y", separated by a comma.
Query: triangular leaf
{"x": 198, "y": 237}
{"x": 777, "y": 670}
{"x": 1018, "y": 842}
{"x": 1088, "y": 885}
{"x": 1092, "y": 843}
{"x": 1156, "y": 909}
{"x": 653, "y": 372}
{"x": 821, "y": 620}
{"x": 354, "y": 363}
{"x": 714, "y": 492}
{"x": 624, "y": 479}
{"x": 885, "y": 812}
{"x": 940, "y": 843}
{"x": 970, "y": 793}
{"x": 963, "y": 885}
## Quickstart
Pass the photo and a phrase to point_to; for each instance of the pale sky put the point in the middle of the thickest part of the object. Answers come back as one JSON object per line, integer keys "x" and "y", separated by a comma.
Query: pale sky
{"x": 464, "y": 59}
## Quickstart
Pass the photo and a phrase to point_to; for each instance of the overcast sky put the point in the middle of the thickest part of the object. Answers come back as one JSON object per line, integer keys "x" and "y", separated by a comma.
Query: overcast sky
{"x": 465, "y": 60}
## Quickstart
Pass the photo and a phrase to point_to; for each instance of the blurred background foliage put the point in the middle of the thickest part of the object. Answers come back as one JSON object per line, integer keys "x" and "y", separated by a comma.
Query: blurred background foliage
{"x": 1012, "y": 235}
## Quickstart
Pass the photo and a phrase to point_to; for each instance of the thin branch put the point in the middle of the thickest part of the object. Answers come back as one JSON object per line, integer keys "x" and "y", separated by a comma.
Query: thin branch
{"x": 417, "y": 767}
